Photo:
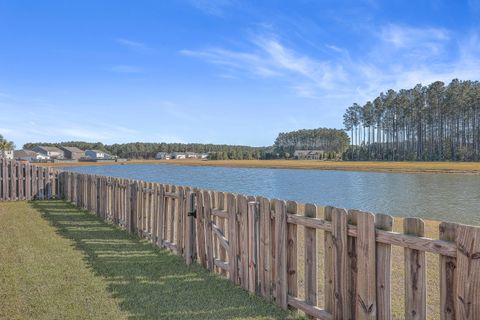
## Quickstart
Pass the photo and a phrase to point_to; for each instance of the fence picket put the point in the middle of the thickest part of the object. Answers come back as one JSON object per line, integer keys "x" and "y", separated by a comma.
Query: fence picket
{"x": 383, "y": 262}
{"x": 310, "y": 263}
{"x": 415, "y": 268}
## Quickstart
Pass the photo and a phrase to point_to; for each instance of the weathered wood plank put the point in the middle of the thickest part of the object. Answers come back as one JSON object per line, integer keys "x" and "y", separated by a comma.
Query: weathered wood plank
{"x": 352, "y": 273}
{"x": 232, "y": 238}
{"x": 281, "y": 253}
{"x": 328, "y": 263}
{"x": 445, "y": 248}
{"x": 179, "y": 219}
{"x": 207, "y": 205}
{"x": 384, "y": 267}
{"x": 310, "y": 263}
{"x": 221, "y": 223}
{"x": 448, "y": 265}
{"x": 313, "y": 311}
{"x": 467, "y": 275}
{"x": 252, "y": 246}
{"x": 292, "y": 256}
{"x": 341, "y": 309}
{"x": 201, "y": 251}
{"x": 366, "y": 302}
{"x": 415, "y": 274}
{"x": 265, "y": 244}
{"x": 243, "y": 239}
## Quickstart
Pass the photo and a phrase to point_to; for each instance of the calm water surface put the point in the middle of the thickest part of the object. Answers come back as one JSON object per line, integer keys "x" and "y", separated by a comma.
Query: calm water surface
{"x": 434, "y": 196}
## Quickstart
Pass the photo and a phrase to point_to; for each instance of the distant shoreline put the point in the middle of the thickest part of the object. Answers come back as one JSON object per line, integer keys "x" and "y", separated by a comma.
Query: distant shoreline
{"x": 464, "y": 168}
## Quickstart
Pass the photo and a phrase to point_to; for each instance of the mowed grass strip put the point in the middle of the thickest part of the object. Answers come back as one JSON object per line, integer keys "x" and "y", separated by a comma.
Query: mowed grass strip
{"x": 42, "y": 276}
{"x": 58, "y": 262}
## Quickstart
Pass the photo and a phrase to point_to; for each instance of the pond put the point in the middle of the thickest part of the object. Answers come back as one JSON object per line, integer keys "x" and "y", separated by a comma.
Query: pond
{"x": 446, "y": 197}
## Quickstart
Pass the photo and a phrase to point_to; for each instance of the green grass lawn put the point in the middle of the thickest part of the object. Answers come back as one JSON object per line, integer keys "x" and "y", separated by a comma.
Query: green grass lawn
{"x": 57, "y": 262}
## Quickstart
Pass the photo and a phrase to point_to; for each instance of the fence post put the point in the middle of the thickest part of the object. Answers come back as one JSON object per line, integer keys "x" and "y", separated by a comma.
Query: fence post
{"x": 133, "y": 207}
{"x": 252, "y": 246}
{"x": 448, "y": 265}
{"x": 281, "y": 253}
{"x": 242, "y": 207}
{"x": 328, "y": 263}
{"x": 201, "y": 252}
{"x": 232, "y": 238}
{"x": 340, "y": 264}
{"x": 310, "y": 263}
{"x": 190, "y": 228}
{"x": 467, "y": 275}
{"x": 207, "y": 208}
{"x": 179, "y": 219}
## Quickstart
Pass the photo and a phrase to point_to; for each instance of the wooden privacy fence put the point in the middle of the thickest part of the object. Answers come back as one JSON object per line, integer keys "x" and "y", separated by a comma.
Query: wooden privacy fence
{"x": 23, "y": 181}
{"x": 253, "y": 241}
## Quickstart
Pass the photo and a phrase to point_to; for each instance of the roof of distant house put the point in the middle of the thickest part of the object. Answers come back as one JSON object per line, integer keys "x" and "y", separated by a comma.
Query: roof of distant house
{"x": 24, "y": 153}
{"x": 72, "y": 149}
{"x": 50, "y": 149}
{"x": 97, "y": 151}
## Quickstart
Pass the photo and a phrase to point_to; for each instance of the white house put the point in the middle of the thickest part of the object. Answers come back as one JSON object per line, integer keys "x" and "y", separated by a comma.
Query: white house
{"x": 51, "y": 152}
{"x": 97, "y": 155}
{"x": 163, "y": 156}
{"x": 203, "y": 156}
{"x": 178, "y": 155}
{"x": 29, "y": 155}
{"x": 191, "y": 155}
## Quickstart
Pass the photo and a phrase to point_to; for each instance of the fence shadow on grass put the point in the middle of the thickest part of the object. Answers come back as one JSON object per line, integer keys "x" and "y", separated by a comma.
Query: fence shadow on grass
{"x": 148, "y": 282}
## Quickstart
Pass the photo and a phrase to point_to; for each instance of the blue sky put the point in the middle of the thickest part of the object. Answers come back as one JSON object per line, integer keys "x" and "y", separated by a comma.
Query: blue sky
{"x": 219, "y": 71}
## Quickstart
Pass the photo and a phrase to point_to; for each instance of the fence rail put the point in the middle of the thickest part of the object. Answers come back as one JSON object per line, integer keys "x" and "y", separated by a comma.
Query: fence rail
{"x": 254, "y": 242}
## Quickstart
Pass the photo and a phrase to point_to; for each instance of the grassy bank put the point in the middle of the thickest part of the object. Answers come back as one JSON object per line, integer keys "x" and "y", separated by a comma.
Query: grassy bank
{"x": 409, "y": 167}
{"x": 61, "y": 263}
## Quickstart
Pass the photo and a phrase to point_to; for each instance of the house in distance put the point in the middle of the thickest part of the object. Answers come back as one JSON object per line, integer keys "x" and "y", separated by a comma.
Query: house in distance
{"x": 51, "y": 152}
{"x": 29, "y": 155}
{"x": 97, "y": 155}
{"x": 72, "y": 153}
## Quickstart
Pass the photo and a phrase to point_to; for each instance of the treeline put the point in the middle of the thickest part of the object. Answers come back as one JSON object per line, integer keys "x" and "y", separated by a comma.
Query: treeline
{"x": 324, "y": 139}
{"x": 435, "y": 122}
{"x": 142, "y": 150}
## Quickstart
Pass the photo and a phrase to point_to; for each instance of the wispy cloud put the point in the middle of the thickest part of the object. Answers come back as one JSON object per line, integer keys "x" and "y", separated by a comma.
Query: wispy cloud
{"x": 400, "y": 57}
{"x": 126, "y": 69}
{"x": 133, "y": 45}
{"x": 405, "y": 36}
{"x": 270, "y": 58}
